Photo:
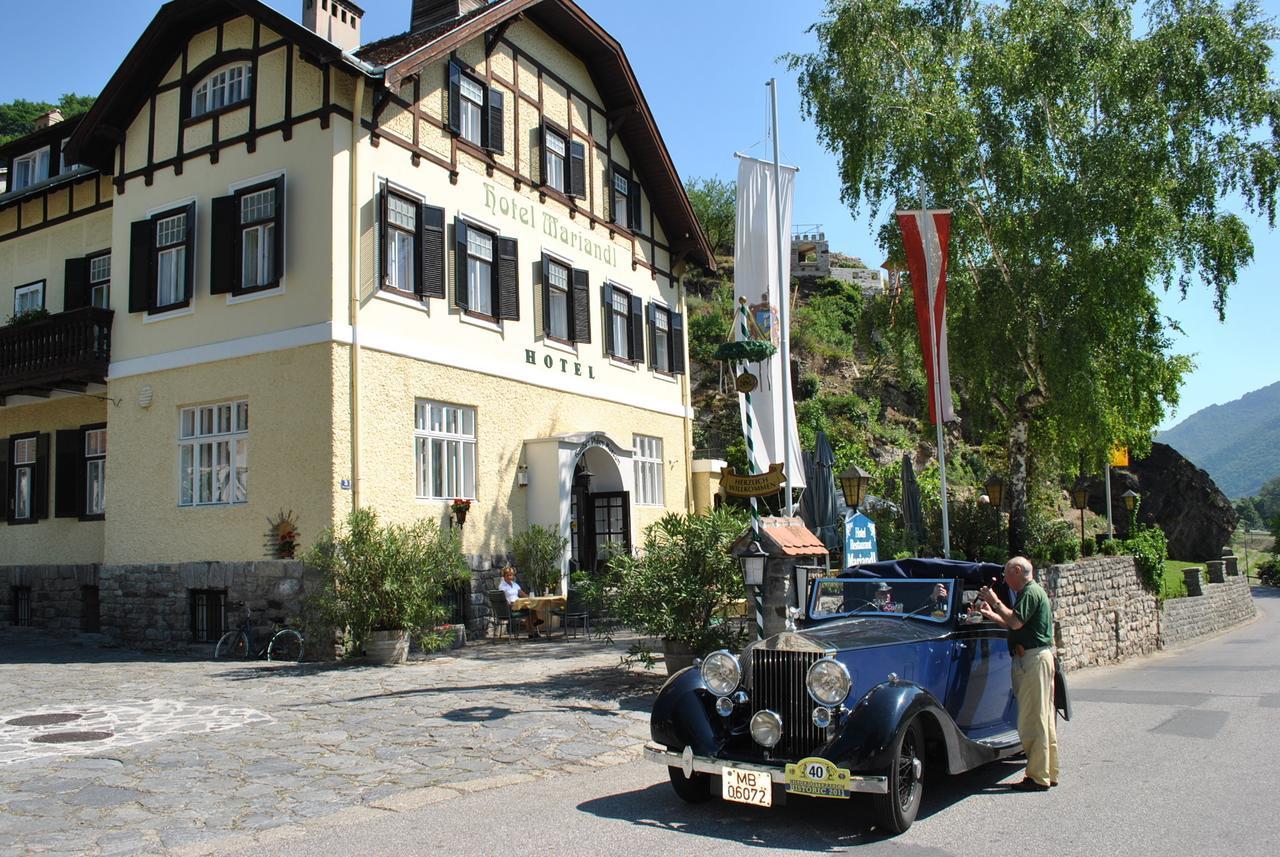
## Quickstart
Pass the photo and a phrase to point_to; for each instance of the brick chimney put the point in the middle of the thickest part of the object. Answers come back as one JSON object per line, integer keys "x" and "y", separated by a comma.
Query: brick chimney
{"x": 427, "y": 13}
{"x": 336, "y": 20}
{"x": 44, "y": 120}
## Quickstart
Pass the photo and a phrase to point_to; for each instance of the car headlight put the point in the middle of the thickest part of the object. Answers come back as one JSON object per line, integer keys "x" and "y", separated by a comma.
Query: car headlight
{"x": 766, "y": 728}
{"x": 721, "y": 673}
{"x": 828, "y": 682}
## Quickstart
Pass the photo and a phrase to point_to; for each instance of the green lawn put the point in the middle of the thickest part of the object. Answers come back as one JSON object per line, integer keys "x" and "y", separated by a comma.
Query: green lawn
{"x": 1172, "y": 585}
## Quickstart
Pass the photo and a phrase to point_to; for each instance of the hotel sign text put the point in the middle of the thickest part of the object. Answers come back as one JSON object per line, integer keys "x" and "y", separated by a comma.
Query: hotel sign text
{"x": 521, "y": 210}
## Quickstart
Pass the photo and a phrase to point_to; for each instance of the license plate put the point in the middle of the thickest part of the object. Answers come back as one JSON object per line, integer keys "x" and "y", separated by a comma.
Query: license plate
{"x": 753, "y": 787}
{"x": 817, "y": 777}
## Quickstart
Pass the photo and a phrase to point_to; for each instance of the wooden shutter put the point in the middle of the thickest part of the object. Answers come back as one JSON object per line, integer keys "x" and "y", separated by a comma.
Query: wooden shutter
{"x": 224, "y": 257}
{"x": 190, "y": 274}
{"x": 141, "y": 265}
{"x": 633, "y": 205}
{"x": 546, "y": 292}
{"x": 506, "y": 299}
{"x": 635, "y": 326}
{"x": 676, "y": 346}
{"x": 278, "y": 249}
{"x": 610, "y": 195}
{"x": 453, "y": 79}
{"x": 580, "y": 307}
{"x": 653, "y": 337}
{"x": 460, "y": 297}
{"x": 40, "y": 484}
{"x": 75, "y": 290}
{"x": 542, "y": 142}
{"x": 431, "y": 231}
{"x": 577, "y": 170}
{"x": 493, "y": 126}
{"x": 380, "y": 234}
{"x": 6, "y": 497}
{"x": 68, "y": 474}
{"x": 606, "y": 298}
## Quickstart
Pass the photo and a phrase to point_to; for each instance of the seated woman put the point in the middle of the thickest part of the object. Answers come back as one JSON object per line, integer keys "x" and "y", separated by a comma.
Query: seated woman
{"x": 512, "y": 591}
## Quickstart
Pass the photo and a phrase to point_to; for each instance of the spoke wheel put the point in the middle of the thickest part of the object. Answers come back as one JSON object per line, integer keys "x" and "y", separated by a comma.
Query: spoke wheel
{"x": 286, "y": 645}
{"x": 692, "y": 789}
{"x": 234, "y": 644}
{"x": 896, "y": 810}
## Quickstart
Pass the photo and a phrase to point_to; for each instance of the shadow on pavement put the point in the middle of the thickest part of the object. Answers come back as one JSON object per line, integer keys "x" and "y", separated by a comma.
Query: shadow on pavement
{"x": 803, "y": 824}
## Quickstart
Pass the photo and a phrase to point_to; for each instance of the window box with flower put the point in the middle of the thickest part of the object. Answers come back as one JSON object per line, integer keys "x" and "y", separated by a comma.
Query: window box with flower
{"x": 459, "y": 508}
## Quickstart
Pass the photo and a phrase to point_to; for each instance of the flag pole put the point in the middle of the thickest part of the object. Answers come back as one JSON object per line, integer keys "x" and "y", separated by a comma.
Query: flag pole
{"x": 937, "y": 398}
{"x": 784, "y": 306}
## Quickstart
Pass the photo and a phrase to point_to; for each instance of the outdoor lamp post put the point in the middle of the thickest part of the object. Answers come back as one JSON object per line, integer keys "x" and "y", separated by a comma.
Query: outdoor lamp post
{"x": 854, "y": 483}
{"x": 994, "y": 487}
{"x": 753, "y": 560}
{"x": 1080, "y": 500}
{"x": 1130, "y": 499}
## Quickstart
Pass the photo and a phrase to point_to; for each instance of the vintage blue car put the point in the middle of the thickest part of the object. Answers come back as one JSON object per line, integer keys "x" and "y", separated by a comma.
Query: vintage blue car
{"x": 889, "y": 676}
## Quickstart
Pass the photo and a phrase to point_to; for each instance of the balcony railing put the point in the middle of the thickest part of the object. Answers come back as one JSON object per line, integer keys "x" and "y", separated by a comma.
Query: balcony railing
{"x": 65, "y": 351}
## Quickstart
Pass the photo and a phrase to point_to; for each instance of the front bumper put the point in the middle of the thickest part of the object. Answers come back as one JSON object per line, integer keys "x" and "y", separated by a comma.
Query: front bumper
{"x": 689, "y": 763}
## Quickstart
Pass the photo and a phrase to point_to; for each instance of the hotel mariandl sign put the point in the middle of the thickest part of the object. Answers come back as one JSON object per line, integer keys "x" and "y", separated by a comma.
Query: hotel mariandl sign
{"x": 515, "y": 207}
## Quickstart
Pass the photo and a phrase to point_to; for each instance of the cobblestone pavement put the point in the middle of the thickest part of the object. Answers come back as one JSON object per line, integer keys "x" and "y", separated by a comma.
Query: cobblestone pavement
{"x": 113, "y": 752}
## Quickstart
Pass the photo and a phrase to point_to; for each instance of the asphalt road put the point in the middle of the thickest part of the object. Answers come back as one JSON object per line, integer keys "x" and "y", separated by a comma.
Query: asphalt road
{"x": 1174, "y": 754}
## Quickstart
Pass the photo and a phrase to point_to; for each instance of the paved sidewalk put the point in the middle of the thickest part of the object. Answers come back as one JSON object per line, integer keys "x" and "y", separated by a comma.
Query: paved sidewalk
{"x": 196, "y": 756}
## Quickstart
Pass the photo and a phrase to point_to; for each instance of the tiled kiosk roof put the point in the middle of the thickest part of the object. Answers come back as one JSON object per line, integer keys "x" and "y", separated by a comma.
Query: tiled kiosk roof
{"x": 784, "y": 537}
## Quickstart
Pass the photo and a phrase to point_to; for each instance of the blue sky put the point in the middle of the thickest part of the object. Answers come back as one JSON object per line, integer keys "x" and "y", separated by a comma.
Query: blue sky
{"x": 703, "y": 65}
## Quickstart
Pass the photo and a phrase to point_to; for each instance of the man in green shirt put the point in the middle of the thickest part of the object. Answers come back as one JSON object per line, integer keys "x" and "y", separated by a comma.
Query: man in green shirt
{"x": 1030, "y": 625}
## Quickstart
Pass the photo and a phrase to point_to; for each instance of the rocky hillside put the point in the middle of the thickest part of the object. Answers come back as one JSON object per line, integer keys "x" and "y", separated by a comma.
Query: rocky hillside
{"x": 1236, "y": 442}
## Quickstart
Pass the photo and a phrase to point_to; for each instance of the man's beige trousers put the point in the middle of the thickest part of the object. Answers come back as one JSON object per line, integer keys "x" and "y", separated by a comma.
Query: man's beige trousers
{"x": 1033, "y": 687}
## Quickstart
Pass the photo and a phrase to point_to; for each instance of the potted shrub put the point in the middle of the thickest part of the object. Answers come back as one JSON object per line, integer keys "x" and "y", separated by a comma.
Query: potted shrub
{"x": 673, "y": 589}
{"x": 537, "y": 552}
{"x": 385, "y": 581}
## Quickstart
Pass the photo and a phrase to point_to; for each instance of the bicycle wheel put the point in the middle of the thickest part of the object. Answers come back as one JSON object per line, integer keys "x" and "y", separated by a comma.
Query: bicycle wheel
{"x": 234, "y": 644}
{"x": 286, "y": 645}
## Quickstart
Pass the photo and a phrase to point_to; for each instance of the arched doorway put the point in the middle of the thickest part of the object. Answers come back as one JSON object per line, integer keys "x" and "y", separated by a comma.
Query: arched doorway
{"x": 599, "y": 511}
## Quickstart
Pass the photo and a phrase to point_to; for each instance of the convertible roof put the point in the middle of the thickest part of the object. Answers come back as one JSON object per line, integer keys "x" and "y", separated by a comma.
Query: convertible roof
{"x": 972, "y": 573}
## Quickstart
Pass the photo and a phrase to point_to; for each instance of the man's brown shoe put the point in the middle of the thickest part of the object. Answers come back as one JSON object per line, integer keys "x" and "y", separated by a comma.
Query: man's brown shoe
{"x": 1029, "y": 785}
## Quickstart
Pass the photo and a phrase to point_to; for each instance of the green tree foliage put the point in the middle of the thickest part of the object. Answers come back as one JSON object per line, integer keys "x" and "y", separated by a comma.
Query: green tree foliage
{"x": 715, "y": 202}
{"x": 17, "y": 117}
{"x": 1086, "y": 160}
{"x": 1267, "y": 501}
{"x": 1248, "y": 514}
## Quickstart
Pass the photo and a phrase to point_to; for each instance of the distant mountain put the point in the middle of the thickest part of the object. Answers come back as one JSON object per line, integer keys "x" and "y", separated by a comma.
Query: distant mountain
{"x": 1238, "y": 443}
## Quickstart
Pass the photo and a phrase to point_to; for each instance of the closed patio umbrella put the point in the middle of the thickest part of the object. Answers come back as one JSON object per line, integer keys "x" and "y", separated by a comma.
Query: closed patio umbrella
{"x": 912, "y": 512}
{"x": 818, "y": 506}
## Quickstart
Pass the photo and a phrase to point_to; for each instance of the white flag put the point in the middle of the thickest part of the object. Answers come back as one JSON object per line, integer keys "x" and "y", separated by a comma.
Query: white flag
{"x": 755, "y": 277}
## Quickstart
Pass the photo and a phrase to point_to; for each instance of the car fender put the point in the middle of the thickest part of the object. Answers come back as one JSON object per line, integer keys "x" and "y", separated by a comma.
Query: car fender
{"x": 865, "y": 740}
{"x": 682, "y": 715}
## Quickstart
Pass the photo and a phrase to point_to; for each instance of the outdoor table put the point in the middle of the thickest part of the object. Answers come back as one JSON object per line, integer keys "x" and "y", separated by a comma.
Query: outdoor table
{"x": 541, "y": 605}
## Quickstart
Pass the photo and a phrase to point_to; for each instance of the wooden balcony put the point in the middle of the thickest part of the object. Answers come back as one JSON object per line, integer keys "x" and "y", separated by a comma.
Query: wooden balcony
{"x": 67, "y": 351}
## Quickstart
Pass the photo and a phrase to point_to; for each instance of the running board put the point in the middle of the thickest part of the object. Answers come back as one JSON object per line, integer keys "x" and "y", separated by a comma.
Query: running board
{"x": 1000, "y": 741}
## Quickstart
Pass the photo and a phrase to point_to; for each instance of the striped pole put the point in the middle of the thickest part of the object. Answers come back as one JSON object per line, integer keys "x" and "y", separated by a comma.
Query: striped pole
{"x": 755, "y": 593}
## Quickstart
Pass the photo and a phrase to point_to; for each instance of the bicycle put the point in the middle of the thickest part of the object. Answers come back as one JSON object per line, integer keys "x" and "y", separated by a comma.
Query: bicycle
{"x": 285, "y": 644}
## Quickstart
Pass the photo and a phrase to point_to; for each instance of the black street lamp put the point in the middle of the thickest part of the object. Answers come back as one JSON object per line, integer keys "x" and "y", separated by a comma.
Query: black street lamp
{"x": 854, "y": 483}
{"x": 753, "y": 560}
{"x": 1080, "y": 500}
{"x": 1131, "y": 499}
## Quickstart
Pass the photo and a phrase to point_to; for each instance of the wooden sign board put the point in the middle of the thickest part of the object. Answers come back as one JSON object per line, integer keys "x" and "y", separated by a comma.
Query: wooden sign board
{"x": 753, "y": 485}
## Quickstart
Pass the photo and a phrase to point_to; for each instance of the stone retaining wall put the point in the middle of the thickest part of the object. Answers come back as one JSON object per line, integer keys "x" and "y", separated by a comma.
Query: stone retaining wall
{"x": 1221, "y": 606}
{"x": 1104, "y": 612}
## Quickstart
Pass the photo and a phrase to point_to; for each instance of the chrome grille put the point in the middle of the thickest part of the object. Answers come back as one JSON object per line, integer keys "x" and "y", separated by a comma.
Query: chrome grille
{"x": 777, "y": 683}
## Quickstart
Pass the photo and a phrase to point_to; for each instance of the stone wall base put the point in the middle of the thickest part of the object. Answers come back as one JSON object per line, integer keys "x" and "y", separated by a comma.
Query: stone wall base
{"x": 1221, "y": 606}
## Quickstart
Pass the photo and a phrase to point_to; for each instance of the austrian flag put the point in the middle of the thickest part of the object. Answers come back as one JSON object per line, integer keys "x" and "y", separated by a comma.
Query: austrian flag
{"x": 924, "y": 237}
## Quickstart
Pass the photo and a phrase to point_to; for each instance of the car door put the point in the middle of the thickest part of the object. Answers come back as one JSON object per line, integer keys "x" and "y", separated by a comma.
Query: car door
{"x": 980, "y": 691}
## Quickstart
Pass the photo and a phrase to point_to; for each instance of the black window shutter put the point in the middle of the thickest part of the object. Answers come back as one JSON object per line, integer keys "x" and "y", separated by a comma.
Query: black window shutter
{"x": 635, "y": 326}
{"x": 432, "y": 276}
{"x": 281, "y": 223}
{"x": 676, "y": 345}
{"x": 224, "y": 261}
{"x": 507, "y": 297}
{"x": 610, "y": 194}
{"x": 40, "y": 485}
{"x": 546, "y": 292}
{"x": 68, "y": 484}
{"x": 381, "y": 234}
{"x": 494, "y": 122}
{"x": 75, "y": 292}
{"x": 190, "y": 273}
{"x": 460, "y": 297}
{"x": 453, "y": 76}
{"x": 141, "y": 265}
{"x": 542, "y": 142}
{"x": 580, "y": 321}
{"x": 633, "y": 205}
{"x": 653, "y": 337}
{"x": 577, "y": 170}
{"x": 6, "y": 498}
{"x": 606, "y": 298}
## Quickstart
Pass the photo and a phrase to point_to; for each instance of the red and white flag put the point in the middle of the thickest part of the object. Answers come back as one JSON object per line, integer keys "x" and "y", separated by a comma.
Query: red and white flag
{"x": 924, "y": 236}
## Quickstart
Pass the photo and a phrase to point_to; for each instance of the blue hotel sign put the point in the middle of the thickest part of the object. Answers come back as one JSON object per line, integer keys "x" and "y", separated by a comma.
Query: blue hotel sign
{"x": 859, "y": 539}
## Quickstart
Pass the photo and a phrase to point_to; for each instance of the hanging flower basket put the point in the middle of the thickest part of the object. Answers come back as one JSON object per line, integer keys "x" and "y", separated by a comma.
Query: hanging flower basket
{"x": 460, "y": 509}
{"x": 745, "y": 351}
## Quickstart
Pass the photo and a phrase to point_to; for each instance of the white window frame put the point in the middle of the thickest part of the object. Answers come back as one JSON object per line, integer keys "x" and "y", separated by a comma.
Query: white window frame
{"x": 25, "y": 456}
{"x": 100, "y": 280}
{"x": 213, "y": 442}
{"x": 223, "y": 88}
{"x": 481, "y": 271}
{"x": 22, "y": 301}
{"x": 621, "y": 200}
{"x": 31, "y": 168}
{"x": 401, "y": 238}
{"x": 258, "y": 225}
{"x": 566, "y": 291}
{"x": 172, "y": 256}
{"x": 557, "y": 163}
{"x": 661, "y": 358}
{"x": 471, "y": 113}
{"x": 621, "y": 341}
{"x": 649, "y": 470}
{"x": 444, "y": 439}
{"x": 95, "y": 471}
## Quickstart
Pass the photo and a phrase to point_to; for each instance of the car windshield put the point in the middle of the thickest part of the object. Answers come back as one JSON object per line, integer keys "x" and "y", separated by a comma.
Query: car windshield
{"x": 867, "y": 596}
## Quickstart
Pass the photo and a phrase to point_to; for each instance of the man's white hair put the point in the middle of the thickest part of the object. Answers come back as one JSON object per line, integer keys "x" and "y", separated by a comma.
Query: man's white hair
{"x": 1023, "y": 565}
